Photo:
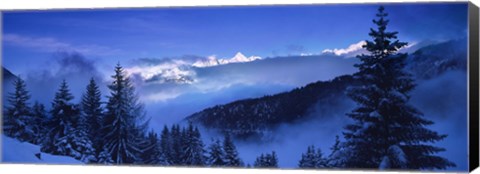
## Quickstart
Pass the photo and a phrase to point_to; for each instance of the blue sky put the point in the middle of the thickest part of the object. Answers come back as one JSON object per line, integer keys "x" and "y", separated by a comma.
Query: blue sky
{"x": 122, "y": 35}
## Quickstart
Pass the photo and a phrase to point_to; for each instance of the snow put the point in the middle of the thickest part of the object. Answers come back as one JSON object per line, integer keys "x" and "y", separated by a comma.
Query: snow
{"x": 398, "y": 154}
{"x": 213, "y": 61}
{"x": 385, "y": 164}
{"x": 14, "y": 151}
{"x": 395, "y": 155}
{"x": 375, "y": 114}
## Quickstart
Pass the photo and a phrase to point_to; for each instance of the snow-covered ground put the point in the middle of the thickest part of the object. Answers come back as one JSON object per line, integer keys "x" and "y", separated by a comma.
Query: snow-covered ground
{"x": 14, "y": 151}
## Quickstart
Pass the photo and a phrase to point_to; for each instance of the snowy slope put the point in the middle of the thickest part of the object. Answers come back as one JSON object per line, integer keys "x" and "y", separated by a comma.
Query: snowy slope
{"x": 14, "y": 151}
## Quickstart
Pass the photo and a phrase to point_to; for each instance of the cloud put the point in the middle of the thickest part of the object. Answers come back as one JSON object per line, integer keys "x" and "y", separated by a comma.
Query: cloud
{"x": 161, "y": 71}
{"x": 180, "y": 78}
{"x": 357, "y": 49}
{"x": 213, "y": 61}
{"x": 350, "y": 51}
{"x": 179, "y": 70}
{"x": 50, "y": 44}
{"x": 75, "y": 63}
{"x": 75, "y": 68}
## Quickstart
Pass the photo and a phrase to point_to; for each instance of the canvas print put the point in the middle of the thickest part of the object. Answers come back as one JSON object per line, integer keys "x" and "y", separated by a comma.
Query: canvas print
{"x": 308, "y": 87}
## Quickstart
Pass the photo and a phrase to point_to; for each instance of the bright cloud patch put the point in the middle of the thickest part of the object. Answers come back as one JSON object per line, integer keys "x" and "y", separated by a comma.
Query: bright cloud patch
{"x": 176, "y": 71}
{"x": 180, "y": 70}
{"x": 352, "y": 50}
{"x": 357, "y": 49}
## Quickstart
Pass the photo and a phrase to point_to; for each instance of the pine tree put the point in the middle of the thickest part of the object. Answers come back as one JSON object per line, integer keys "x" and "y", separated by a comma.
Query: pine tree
{"x": 176, "y": 154}
{"x": 260, "y": 161}
{"x": 266, "y": 161}
{"x": 308, "y": 159}
{"x": 231, "y": 154}
{"x": 153, "y": 153}
{"x": 273, "y": 161}
{"x": 124, "y": 122}
{"x": 92, "y": 111}
{"x": 335, "y": 159}
{"x": 320, "y": 161}
{"x": 388, "y": 132}
{"x": 166, "y": 144}
{"x": 63, "y": 120}
{"x": 67, "y": 133}
{"x": 216, "y": 154}
{"x": 193, "y": 148}
{"x": 40, "y": 121}
{"x": 18, "y": 121}
{"x": 76, "y": 144}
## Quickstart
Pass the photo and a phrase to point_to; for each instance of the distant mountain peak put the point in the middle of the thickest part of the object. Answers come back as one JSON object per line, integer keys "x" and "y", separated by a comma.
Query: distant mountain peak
{"x": 239, "y": 56}
{"x": 213, "y": 61}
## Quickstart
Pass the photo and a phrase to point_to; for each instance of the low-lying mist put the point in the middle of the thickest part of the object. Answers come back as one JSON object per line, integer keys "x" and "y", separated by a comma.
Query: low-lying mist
{"x": 442, "y": 100}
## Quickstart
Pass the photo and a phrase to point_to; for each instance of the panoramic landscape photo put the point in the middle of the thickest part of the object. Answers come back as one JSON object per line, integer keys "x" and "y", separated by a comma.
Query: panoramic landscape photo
{"x": 350, "y": 86}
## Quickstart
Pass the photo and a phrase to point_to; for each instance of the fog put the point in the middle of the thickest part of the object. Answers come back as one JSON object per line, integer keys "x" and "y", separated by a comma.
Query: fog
{"x": 43, "y": 82}
{"x": 289, "y": 141}
{"x": 442, "y": 100}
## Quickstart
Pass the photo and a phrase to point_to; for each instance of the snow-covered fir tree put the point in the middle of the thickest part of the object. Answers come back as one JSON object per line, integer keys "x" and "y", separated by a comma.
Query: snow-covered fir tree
{"x": 176, "y": 153}
{"x": 92, "y": 111}
{"x": 387, "y": 131}
{"x": 153, "y": 153}
{"x": 335, "y": 159}
{"x": 231, "y": 155}
{"x": 259, "y": 161}
{"x": 18, "y": 121}
{"x": 63, "y": 117}
{"x": 216, "y": 154}
{"x": 76, "y": 144}
{"x": 193, "y": 147}
{"x": 266, "y": 161}
{"x": 313, "y": 158}
{"x": 124, "y": 122}
{"x": 166, "y": 144}
{"x": 66, "y": 130}
{"x": 40, "y": 120}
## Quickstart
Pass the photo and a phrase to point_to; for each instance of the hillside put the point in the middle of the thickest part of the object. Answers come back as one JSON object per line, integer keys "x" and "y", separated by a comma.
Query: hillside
{"x": 14, "y": 151}
{"x": 254, "y": 117}
{"x": 433, "y": 60}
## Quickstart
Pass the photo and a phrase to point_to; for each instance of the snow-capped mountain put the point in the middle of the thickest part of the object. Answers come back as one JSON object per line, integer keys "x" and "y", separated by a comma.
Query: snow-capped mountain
{"x": 213, "y": 61}
{"x": 210, "y": 61}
